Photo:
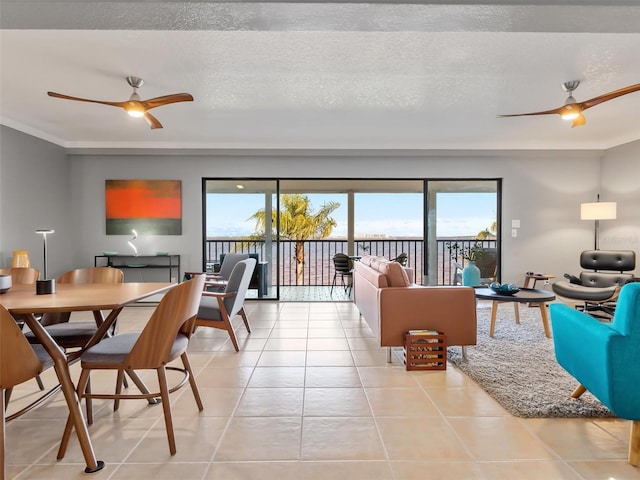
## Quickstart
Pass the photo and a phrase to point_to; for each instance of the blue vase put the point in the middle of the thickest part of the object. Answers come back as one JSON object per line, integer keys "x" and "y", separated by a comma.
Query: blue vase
{"x": 471, "y": 275}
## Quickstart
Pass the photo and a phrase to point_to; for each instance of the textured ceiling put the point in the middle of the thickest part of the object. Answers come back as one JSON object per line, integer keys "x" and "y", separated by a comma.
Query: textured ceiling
{"x": 321, "y": 75}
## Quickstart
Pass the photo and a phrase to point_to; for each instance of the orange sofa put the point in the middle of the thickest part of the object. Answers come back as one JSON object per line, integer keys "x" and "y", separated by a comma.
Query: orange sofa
{"x": 392, "y": 305}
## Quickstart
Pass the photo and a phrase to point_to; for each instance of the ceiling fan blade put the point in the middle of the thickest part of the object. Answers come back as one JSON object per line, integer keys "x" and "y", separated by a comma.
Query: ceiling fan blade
{"x": 152, "y": 121}
{"x": 610, "y": 96}
{"x": 67, "y": 97}
{"x": 546, "y": 112}
{"x": 166, "y": 100}
{"x": 579, "y": 120}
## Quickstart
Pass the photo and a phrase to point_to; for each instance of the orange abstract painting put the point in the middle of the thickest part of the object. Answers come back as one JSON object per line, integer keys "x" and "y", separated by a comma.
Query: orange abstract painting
{"x": 152, "y": 207}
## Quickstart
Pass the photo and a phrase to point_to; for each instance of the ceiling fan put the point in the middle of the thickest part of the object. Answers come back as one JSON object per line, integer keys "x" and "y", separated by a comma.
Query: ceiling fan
{"x": 134, "y": 106}
{"x": 572, "y": 110}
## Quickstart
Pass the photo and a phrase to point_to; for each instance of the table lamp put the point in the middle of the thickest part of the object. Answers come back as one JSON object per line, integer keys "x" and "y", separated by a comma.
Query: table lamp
{"x": 45, "y": 285}
{"x": 598, "y": 211}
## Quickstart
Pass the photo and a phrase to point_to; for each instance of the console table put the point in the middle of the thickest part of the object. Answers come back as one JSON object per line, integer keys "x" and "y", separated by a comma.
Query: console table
{"x": 171, "y": 263}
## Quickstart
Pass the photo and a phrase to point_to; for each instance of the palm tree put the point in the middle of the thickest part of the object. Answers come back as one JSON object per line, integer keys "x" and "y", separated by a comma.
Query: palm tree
{"x": 298, "y": 222}
{"x": 489, "y": 232}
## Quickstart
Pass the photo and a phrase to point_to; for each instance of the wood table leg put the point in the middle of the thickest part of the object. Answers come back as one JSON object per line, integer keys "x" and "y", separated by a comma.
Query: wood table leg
{"x": 68, "y": 389}
{"x": 3, "y": 464}
{"x": 634, "y": 443}
{"x": 516, "y": 311}
{"x": 580, "y": 389}
{"x": 545, "y": 318}
{"x": 494, "y": 313}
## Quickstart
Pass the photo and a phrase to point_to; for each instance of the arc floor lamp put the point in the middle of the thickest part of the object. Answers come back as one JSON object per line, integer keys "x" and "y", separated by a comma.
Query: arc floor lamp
{"x": 597, "y": 211}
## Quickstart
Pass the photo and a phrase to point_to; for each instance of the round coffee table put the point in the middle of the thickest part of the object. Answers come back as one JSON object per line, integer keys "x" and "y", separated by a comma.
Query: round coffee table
{"x": 537, "y": 298}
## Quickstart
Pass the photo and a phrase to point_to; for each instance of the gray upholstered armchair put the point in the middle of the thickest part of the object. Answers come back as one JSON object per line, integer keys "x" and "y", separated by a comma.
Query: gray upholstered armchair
{"x": 597, "y": 287}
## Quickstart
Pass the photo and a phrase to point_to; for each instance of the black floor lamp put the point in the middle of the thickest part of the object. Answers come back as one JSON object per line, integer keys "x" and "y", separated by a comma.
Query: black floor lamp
{"x": 45, "y": 285}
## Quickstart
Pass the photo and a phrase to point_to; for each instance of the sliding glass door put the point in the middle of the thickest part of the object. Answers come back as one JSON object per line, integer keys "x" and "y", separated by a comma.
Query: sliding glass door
{"x": 295, "y": 227}
{"x": 461, "y": 215}
{"x": 239, "y": 217}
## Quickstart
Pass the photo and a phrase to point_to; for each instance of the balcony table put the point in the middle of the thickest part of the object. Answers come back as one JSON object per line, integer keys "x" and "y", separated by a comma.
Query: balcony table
{"x": 21, "y": 300}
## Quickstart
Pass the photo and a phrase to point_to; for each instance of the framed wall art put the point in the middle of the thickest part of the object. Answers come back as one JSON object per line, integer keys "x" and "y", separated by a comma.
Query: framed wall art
{"x": 151, "y": 207}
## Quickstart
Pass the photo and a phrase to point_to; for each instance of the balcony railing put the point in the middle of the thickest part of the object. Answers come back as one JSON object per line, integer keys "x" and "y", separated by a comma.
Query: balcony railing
{"x": 318, "y": 267}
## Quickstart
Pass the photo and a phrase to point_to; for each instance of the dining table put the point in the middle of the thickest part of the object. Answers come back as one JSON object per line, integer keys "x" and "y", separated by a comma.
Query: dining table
{"x": 23, "y": 302}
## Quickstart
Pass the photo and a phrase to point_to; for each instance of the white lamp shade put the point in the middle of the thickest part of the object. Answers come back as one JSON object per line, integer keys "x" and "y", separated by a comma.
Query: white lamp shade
{"x": 598, "y": 211}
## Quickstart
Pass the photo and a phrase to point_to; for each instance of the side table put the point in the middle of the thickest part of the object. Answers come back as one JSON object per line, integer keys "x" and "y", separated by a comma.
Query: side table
{"x": 526, "y": 295}
{"x": 531, "y": 279}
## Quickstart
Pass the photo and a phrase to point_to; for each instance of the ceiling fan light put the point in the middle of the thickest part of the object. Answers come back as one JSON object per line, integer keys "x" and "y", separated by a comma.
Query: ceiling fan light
{"x": 135, "y": 109}
{"x": 570, "y": 115}
{"x": 570, "y": 110}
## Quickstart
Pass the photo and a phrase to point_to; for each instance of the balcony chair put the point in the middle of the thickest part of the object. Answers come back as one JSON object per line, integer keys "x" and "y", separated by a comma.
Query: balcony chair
{"x": 164, "y": 338}
{"x": 218, "y": 308}
{"x": 595, "y": 291}
{"x": 603, "y": 357}
{"x": 488, "y": 265}
{"x": 343, "y": 268}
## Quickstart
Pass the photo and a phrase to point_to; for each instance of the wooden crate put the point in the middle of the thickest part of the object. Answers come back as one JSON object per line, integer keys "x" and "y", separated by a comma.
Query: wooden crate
{"x": 425, "y": 350}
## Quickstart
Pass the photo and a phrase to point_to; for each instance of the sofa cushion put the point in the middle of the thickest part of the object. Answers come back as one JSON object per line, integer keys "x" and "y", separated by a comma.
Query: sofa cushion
{"x": 393, "y": 271}
{"x": 396, "y": 276}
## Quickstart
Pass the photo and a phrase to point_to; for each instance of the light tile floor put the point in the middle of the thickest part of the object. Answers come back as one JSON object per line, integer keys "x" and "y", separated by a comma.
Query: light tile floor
{"x": 310, "y": 396}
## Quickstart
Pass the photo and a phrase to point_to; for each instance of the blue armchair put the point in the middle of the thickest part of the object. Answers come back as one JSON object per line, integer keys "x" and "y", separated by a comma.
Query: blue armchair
{"x": 604, "y": 357}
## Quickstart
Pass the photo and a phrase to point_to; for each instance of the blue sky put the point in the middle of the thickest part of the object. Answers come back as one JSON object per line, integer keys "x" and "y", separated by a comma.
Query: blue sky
{"x": 458, "y": 214}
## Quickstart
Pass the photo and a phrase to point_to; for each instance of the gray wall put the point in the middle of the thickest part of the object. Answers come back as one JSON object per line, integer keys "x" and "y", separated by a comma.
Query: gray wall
{"x": 35, "y": 192}
{"x": 620, "y": 174}
{"x": 542, "y": 189}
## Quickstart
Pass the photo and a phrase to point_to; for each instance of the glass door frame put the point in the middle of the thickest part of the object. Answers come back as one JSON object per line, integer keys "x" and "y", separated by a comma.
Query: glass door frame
{"x": 269, "y": 207}
{"x": 430, "y": 244}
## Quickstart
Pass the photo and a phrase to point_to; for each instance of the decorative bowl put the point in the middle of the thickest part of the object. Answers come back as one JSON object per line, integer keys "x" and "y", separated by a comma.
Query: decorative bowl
{"x": 504, "y": 289}
{"x": 110, "y": 254}
{"x": 5, "y": 283}
{"x": 162, "y": 254}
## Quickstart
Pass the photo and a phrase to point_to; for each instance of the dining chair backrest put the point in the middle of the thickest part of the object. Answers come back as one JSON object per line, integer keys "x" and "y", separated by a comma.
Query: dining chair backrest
{"x": 92, "y": 275}
{"x": 21, "y": 275}
{"x": 229, "y": 262}
{"x": 342, "y": 262}
{"x": 82, "y": 276}
{"x": 174, "y": 314}
{"x": 238, "y": 283}
{"x": 18, "y": 361}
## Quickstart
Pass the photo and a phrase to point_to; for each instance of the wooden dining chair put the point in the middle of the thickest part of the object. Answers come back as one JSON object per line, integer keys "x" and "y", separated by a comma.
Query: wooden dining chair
{"x": 218, "y": 308}
{"x": 32, "y": 361}
{"x": 164, "y": 338}
{"x": 76, "y": 334}
{"x": 21, "y": 275}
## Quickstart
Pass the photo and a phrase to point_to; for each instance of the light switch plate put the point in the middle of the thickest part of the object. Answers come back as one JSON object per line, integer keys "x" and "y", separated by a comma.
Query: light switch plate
{"x": 515, "y": 224}
{"x": 514, "y": 232}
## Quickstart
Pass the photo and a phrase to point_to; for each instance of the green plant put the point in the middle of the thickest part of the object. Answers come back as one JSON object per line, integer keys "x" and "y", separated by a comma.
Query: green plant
{"x": 471, "y": 253}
